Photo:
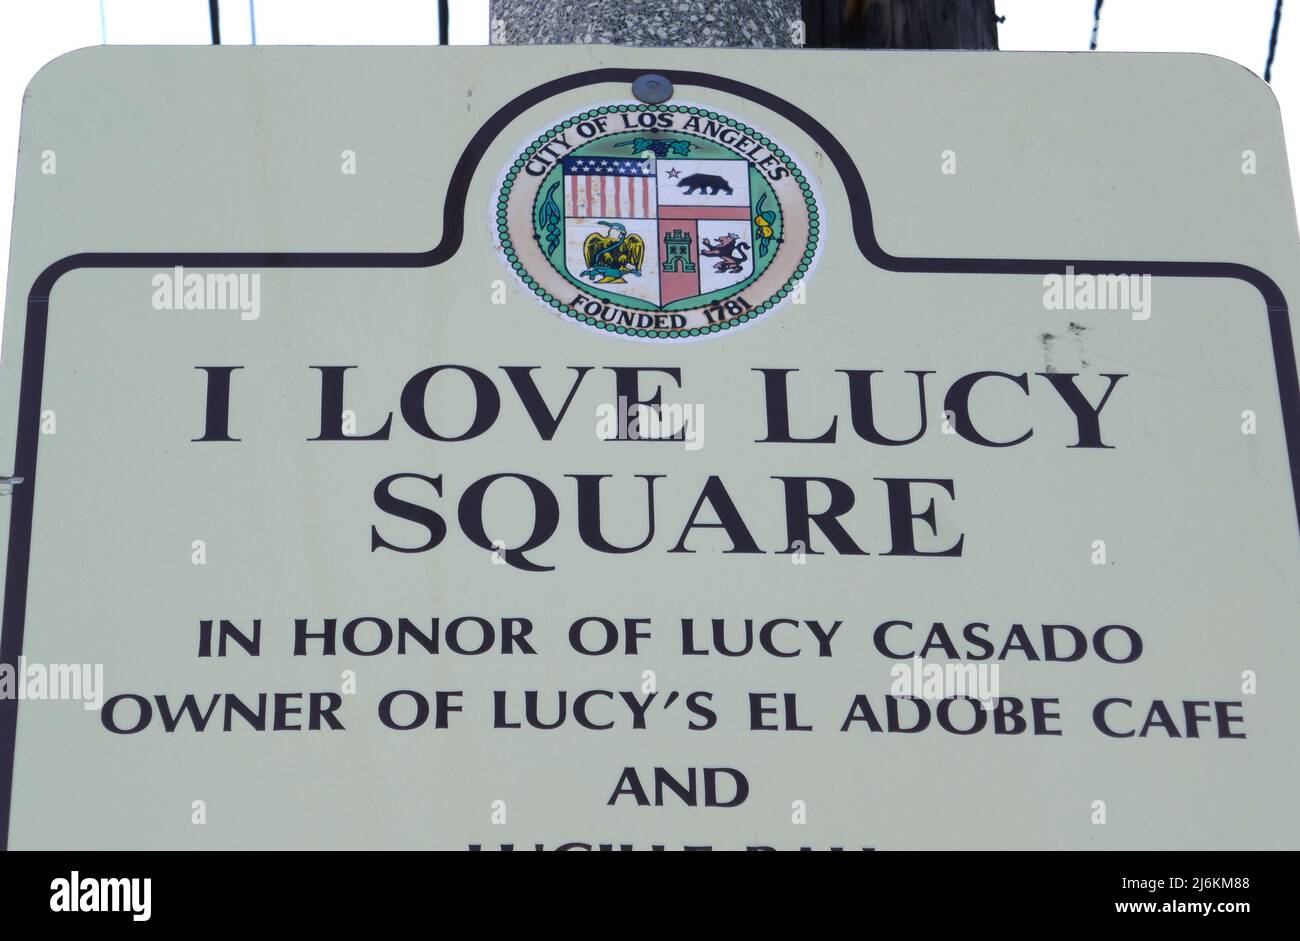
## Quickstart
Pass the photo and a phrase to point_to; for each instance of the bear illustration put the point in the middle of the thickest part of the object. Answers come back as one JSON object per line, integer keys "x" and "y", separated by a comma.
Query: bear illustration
{"x": 711, "y": 184}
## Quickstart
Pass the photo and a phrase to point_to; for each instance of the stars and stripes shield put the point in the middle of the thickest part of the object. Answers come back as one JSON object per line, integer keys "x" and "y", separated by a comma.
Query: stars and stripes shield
{"x": 659, "y": 231}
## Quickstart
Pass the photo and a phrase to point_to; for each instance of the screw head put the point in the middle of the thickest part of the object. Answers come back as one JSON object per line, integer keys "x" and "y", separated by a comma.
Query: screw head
{"x": 652, "y": 89}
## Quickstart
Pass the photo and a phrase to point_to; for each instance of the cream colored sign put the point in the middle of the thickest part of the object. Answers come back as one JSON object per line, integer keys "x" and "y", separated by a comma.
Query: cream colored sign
{"x": 333, "y": 531}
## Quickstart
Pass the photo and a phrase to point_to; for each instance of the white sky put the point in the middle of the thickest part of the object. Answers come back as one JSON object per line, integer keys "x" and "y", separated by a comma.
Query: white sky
{"x": 34, "y": 31}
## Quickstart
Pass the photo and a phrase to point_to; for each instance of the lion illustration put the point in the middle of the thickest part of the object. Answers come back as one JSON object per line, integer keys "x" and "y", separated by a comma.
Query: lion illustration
{"x": 729, "y": 251}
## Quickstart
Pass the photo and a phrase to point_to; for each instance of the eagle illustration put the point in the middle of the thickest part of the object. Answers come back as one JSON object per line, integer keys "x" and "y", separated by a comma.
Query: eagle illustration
{"x": 611, "y": 256}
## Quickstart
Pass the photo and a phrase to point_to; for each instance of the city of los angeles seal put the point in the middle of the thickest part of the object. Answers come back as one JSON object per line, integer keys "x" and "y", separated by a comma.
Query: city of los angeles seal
{"x": 658, "y": 222}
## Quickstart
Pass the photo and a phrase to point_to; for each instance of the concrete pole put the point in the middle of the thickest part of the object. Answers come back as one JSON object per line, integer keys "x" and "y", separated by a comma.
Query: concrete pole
{"x": 763, "y": 24}
{"x": 767, "y": 24}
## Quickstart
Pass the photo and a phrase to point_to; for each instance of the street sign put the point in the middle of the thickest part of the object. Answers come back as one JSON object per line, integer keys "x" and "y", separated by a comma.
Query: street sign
{"x": 447, "y": 448}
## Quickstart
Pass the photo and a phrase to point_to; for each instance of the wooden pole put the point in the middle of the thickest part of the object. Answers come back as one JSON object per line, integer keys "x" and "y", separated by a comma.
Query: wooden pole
{"x": 901, "y": 24}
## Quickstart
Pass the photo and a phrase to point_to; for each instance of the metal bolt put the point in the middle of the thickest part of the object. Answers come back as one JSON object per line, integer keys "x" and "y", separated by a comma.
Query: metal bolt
{"x": 652, "y": 89}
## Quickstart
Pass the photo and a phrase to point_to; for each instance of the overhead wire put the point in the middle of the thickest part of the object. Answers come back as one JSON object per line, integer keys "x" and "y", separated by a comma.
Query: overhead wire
{"x": 1272, "y": 41}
